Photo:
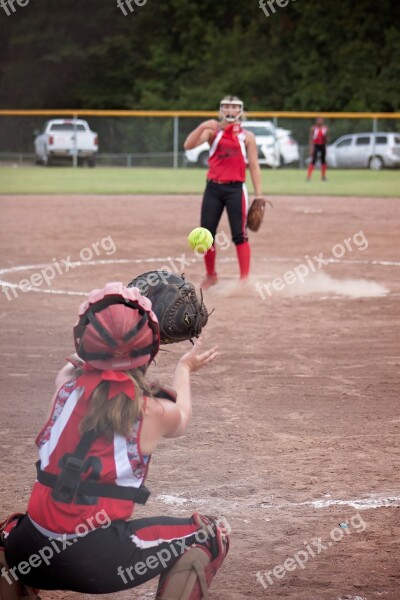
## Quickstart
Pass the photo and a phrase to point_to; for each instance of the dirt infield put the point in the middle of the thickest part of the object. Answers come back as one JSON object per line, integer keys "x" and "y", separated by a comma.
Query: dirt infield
{"x": 295, "y": 428}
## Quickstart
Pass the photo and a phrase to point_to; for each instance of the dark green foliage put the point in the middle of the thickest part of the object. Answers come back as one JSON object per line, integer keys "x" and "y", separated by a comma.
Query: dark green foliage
{"x": 309, "y": 55}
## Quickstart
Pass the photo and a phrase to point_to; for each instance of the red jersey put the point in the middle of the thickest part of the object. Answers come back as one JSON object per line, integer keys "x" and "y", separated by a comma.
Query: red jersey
{"x": 319, "y": 134}
{"x": 227, "y": 161}
{"x": 118, "y": 462}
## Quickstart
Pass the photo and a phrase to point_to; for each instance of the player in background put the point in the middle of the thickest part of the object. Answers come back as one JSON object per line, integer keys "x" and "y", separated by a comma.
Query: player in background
{"x": 318, "y": 141}
{"x": 230, "y": 144}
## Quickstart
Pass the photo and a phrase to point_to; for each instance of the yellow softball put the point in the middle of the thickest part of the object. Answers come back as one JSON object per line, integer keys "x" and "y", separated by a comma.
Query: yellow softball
{"x": 200, "y": 239}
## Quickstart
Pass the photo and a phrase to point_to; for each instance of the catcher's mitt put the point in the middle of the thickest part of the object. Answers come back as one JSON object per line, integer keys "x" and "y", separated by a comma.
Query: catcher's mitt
{"x": 180, "y": 312}
{"x": 255, "y": 215}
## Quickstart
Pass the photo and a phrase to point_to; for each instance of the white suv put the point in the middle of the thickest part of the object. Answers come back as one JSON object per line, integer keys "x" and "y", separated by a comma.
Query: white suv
{"x": 276, "y": 146}
{"x": 362, "y": 150}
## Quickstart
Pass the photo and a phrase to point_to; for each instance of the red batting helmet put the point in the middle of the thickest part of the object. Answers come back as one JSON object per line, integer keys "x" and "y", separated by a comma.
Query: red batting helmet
{"x": 117, "y": 329}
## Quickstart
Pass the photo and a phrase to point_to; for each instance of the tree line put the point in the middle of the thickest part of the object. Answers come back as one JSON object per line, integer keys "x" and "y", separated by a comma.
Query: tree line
{"x": 185, "y": 54}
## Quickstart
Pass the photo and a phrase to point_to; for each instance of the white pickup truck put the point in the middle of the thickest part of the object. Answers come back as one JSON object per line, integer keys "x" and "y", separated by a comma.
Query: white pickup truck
{"x": 63, "y": 138}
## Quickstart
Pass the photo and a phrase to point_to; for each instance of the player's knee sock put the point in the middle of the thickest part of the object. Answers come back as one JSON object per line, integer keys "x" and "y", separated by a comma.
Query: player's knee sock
{"x": 323, "y": 171}
{"x": 243, "y": 253}
{"x": 209, "y": 259}
{"x": 310, "y": 171}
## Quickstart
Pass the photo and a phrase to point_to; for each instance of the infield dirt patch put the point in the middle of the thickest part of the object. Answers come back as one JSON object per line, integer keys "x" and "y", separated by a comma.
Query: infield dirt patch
{"x": 295, "y": 427}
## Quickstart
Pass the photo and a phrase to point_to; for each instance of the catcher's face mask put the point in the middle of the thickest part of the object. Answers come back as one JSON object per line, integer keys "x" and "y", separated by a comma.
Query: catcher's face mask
{"x": 117, "y": 329}
{"x": 230, "y": 109}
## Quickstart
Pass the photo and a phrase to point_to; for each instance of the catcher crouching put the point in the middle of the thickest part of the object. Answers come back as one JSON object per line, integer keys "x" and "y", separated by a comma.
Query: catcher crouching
{"x": 104, "y": 424}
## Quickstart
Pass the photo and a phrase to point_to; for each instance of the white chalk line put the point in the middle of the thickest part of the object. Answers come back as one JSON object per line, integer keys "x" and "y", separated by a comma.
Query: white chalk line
{"x": 71, "y": 265}
{"x": 351, "y": 598}
{"x": 358, "y": 504}
{"x": 384, "y": 263}
{"x": 120, "y": 261}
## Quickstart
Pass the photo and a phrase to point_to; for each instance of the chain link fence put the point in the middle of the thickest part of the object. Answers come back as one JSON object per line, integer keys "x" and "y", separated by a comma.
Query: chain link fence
{"x": 157, "y": 141}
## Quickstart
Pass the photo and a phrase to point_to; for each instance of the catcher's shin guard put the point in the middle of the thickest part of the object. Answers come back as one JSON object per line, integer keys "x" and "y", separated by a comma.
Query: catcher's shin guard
{"x": 192, "y": 574}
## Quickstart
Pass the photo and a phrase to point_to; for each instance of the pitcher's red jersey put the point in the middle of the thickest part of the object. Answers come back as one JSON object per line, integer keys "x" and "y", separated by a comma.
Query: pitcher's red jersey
{"x": 227, "y": 161}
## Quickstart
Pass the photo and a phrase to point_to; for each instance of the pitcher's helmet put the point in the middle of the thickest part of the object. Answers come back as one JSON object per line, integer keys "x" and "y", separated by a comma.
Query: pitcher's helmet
{"x": 224, "y": 115}
{"x": 116, "y": 329}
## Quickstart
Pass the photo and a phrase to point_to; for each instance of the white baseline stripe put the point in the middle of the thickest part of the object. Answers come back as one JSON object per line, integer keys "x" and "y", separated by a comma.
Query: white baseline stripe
{"x": 121, "y": 261}
{"x": 359, "y": 504}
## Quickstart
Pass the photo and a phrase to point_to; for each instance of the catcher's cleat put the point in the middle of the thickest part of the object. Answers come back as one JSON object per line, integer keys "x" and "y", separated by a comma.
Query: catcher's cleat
{"x": 192, "y": 574}
{"x": 208, "y": 281}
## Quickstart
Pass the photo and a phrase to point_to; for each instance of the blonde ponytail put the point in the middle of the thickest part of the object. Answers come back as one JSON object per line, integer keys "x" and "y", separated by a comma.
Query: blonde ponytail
{"x": 118, "y": 414}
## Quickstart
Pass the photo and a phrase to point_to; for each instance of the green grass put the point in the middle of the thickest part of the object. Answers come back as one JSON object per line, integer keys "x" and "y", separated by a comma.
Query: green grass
{"x": 104, "y": 180}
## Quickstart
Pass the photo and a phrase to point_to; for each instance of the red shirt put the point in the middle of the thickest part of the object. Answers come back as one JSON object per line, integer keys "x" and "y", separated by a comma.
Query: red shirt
{"x": 319, "y": 134}
{"x": 227, "y": 161}
{"x": 119, "y": 461}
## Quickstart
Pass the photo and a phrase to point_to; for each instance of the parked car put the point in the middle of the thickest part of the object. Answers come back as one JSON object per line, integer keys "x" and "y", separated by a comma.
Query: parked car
{"x": 58, "y": 141}
{"x": 266, "y": 140}
{"x": 365, "y": 150}
{"x": 288, "y": 147}
{"x": 276, "y": 146}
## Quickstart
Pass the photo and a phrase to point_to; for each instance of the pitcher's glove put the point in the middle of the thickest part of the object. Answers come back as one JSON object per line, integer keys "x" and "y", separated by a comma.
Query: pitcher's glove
{"x": 255, "y": 215}
{"x": 180, "y": 312}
